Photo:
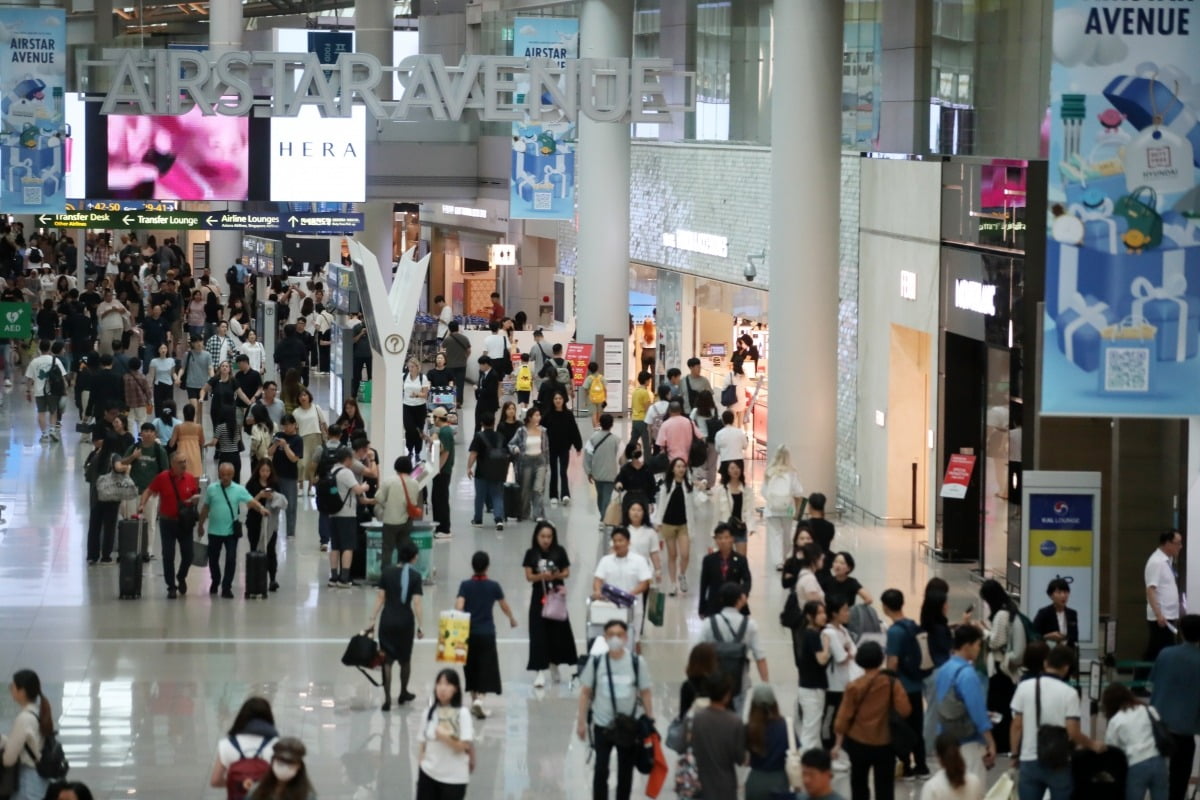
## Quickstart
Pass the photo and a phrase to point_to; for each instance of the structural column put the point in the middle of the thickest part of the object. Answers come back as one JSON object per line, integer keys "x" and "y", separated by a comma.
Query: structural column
{"x": 803, "y": 258}
{"x": 224, "y": 34}
{"x": 602, "y": 278}
{"x": 374, "y": 31}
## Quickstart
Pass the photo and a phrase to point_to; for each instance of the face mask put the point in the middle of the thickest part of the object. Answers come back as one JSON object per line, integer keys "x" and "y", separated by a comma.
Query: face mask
{"x": 615, "y": 643}
{"x": 284, "y": 772}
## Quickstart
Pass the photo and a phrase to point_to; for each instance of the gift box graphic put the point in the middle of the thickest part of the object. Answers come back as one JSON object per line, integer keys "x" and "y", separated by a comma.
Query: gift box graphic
{"x": 1141, "y": 100}
{"x": 1175, "y": 316}
{"x": 1079, "y": 328}
{"x": 1128, "y": 357}
{"x": 1071, "y": 270}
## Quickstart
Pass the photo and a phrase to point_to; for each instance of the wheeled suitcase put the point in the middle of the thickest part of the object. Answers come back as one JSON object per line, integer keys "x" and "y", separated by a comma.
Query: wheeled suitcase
{"x": 512, "y": 501}
{"x": 256, "y": 562}
{"x": 129, "y": 576}
{"x": 132, "y": 536}
{"x": 1099, "y": 776}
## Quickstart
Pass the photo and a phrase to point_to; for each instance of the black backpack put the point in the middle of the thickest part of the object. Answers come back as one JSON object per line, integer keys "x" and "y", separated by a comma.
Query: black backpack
{"x": 231, "y": 276}
{"x": 56, "y": 382}
{"x": 53, "y": 764}
{"x": 698, "y": 452}
{"x": 731, "y": 653}
{"x": 329, "y": 497}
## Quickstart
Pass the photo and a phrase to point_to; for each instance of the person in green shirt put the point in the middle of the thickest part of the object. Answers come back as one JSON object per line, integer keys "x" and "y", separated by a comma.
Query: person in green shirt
{"x": 146, "y": 459}
{"x": 440, "y": 499}
{"x": 219, "y": 509}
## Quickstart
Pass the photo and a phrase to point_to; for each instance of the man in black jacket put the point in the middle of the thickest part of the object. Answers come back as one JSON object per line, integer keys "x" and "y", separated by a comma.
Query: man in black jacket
{"x": 487, "y": 392}
{"x": 723, "y": 565}
{"x": 107, "y": 388}
{"x": 290, "y": 352}
{"x": 1056, "y": 623}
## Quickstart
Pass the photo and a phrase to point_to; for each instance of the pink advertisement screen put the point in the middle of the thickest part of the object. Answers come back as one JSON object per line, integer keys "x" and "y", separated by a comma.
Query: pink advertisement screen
{"x": 191, "y": 157}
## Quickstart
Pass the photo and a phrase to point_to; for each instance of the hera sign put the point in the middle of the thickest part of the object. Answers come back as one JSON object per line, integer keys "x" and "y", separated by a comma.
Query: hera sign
{"x": 171, "y": 82}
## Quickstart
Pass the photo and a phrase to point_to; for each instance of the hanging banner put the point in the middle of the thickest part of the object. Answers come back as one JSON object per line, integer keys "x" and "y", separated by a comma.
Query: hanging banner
{"x": 542, "y": 183}
{"x": 33, "y": 132}
{"x": 328, "y": 45}
{"x": 1122, "y": 309}
{"x": 1060, "y": 538}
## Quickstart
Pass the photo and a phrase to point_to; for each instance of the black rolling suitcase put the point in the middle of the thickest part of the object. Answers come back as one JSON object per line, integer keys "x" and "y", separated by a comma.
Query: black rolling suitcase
{"x": 1099, "y": 776}
{"x": 130, "y": 533}
{"x": 512, "y": 501}
{"x": 256, "y": 562}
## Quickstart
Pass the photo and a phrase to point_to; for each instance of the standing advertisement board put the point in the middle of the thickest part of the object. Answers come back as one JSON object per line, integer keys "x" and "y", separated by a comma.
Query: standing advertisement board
{"x": 542, "y": 183}
{"x": 1122, "y": 310}
{"x": 33, "y": 131}
{"x": 577, "y": 355}
{"x": 958, "y": 476}
{"x": 1060, "y": 538}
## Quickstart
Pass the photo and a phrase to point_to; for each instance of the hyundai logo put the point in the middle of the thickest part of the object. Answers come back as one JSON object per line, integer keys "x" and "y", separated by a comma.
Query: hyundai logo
{"x": 1048, "y": 548}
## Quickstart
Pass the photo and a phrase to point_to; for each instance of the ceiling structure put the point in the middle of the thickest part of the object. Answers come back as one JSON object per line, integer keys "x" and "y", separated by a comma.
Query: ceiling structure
{"x": 172, "y": 16}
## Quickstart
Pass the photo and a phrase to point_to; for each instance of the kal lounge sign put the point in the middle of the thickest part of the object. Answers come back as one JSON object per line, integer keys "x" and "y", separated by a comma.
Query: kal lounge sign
{"x": 172, "y": 82}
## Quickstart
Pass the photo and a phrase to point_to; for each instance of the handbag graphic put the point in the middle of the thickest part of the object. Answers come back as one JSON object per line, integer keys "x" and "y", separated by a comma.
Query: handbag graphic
{"x": 1139, "y": 210}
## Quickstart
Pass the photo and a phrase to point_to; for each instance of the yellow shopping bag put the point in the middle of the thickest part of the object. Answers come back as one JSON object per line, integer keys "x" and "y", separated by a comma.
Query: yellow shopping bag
{"x": 1004, "y": 788}
{"x": 454, "y": 629}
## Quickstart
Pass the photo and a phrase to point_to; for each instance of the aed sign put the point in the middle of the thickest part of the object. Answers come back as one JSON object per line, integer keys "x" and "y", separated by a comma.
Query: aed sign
{"x": 319, "y": 158}
{"x": 502, "y": 255}
{"x": 975, "y": 296}
{"x": 15, "y": 321}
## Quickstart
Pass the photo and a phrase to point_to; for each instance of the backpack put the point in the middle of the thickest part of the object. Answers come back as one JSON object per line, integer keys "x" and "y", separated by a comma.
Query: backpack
{"x": 779, "y": 494}
{"x": 1014, "y": 649}
{"x": 524, "y": 379}
{"x": 657, "y": 423}
{"x": 56, "y": 383}
{"x": 863, "y": 619}
{"x": 698, "y": 452}
{"x": 910, "y": 653}
{"x": 231, "y": 275}
{"x": 326, "y": 463}
{"x": 260, "y": 442}
{"x": 246, "y": 771}
{"x": 597, "y": 394}
{"x": 731, "y": 653}
{"x": 729, "y": 395}
{"x": 493, "y": 461}
{"x": 952, "y": 711}
{"x": 329, "y": 497}
{"x": 562, "y": 371}
{"x": 52, "y": 764}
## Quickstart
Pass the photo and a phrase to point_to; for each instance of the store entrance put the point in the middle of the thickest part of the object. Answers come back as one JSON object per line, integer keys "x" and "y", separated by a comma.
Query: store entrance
{"x": 965, "y": 363}
{"x": 908, "y": 409}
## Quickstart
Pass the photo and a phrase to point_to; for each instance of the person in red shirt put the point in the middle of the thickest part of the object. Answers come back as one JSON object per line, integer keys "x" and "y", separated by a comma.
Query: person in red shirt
{"x": 497, "y": 313}
{"x": 178, "y": 491}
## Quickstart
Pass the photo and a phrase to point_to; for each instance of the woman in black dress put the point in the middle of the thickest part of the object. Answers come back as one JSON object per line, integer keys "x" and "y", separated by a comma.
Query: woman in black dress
{"x": 399, "y": 598}
{"x": 551, "y": 641}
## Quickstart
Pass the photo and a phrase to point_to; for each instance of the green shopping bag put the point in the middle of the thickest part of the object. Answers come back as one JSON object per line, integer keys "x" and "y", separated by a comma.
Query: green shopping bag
{"x": 364, "y": 392}
{"x": 1139, "y": 210}
{"x": 656, "y": 607}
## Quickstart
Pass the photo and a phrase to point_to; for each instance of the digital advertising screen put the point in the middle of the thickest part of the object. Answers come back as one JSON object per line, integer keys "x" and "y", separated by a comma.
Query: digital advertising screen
{"x": 189, "y": 157}
{"x": 319, "y": 158}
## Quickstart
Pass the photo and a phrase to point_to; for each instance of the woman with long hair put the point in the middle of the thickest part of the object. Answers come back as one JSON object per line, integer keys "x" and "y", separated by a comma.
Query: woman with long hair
{"x": 312, "y": 429}
{"x": 767, "y": 743}
{"x": 708, "y": 421}
{"x": 223, "y": 391}
{"x": 227, "y": 442}
{"x": 935, "y": 623}
{"x": 1005, "y": 648}
{"x": 744, "y": 350}
{"x": 251, "y": 735}
{"x": 551, "y": 642}
{"x": 507, "y": 423}
{"x": 952, "y": 781}
{"x": 702, "y": 665}
{"x": 288, "y": 776}
{"x": 188, "y": 440}
{"x": 560, "y": 425}
{"x": 398, "y": 612}
{"x": 351, "y": 421}
{"x": 781, "y": 493}
{"x": 675, "y": 490}
{"x": 415, "y": 398}
{"x": 447, "y": 736}
{"x": 732, "y": 506}
{"x": 162, "y": 375}
{"x": 262, "y": 432}
{"x": 478, "y": 595}
{"x": 1131, "y": 728}
{"x": 289, "y": 391}
{"x": 263, "y": 487}
{"x": 806, "y": 563}
{"x": 643, "y": 539}
{"x": 531, "y": 455}
{"x": 32, "y": 724}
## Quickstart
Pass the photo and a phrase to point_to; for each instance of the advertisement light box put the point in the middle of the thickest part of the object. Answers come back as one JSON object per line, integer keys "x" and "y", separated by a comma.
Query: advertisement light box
{"x": 318, "y": 158}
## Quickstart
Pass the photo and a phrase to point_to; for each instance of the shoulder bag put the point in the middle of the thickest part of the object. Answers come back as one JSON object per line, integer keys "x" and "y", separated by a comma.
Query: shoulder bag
{"x": 554, "y": 602}
{"x": 903, "y": 737}
{"x": 115, "y": 487}
{"x": 687, "y": 773}
{"x": 237, "y": 523}
{"x": 185, "y": 513}
{"x": 952, "y": 711}
{"x": 1163, "y": 741}
{"x": 415, "y": 512}
{"x": 1053, "y": 742}
{"x": 624, "y": 728}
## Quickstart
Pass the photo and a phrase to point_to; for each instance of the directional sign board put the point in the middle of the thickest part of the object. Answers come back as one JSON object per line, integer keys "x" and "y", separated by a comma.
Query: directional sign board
{"x": 207, "y": 221}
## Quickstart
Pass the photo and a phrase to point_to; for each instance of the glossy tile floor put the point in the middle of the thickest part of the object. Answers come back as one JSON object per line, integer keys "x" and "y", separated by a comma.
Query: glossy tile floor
{"x": 144, "y": 689}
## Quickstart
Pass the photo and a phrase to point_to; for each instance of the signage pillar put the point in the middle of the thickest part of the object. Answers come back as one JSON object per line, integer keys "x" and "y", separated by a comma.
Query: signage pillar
{"x": 803, "y": 257}
{"x": 224, "y": 34}
{"x": 374, "y": 26}
{"x": 602, "y": 276}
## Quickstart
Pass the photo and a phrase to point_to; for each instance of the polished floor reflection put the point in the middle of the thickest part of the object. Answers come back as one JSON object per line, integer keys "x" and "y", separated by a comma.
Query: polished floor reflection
{"x": 144, "y": 689}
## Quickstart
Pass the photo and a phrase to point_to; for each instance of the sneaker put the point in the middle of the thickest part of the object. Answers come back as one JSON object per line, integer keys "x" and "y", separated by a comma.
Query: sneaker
{"x": 171, "y": 594}
{"x": 553, "y": 502}
{"x": 475, "y": 524}
{"x": 333, "y": 581}
{"x": 214, "y": 589}
{"x": 671, "y": 590}
{"x": 539, "y": 680}
{"x": 477, "y": 710}
{"x": 45, "y": 438}
{"x": 349, "y": 583}
{"x": 921, "y": 774}
{"x": 55, "y": 436}
{"x": 443, "y": 535}
{"x": 499, "y": 526}
{"x": 406, "y": 697}
{"x": 683, "y": 583}
{"x": 324, "y": 548}
{"x": 603, "y": 527}
{"x": 182, "y": 584}
{"x": 106, "y": 560}
{"x": 566, "y": 501}
{"x": 841, "y": 763}
{"x": 7, "y": 383}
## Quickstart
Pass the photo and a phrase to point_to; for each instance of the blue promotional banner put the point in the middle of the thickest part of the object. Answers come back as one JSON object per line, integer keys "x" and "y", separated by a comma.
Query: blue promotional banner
{"x": 33, "y": 131}
{"x": 862, "y": 83}
{"x": 542, "y": 183}
{"x": 1122, "y": 310}
{"x": 328, "y": 45}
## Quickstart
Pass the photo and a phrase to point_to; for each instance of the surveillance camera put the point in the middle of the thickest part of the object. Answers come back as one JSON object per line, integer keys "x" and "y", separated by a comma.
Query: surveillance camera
{"x": 750, "y": 271}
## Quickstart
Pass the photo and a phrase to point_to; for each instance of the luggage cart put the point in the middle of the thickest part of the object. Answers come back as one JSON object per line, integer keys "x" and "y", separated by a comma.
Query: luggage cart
{"x": 598, "y": 614}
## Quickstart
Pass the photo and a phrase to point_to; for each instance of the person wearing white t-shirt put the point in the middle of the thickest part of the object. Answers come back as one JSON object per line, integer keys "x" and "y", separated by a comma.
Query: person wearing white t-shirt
{"x": 253, "y": 349}
{"x": 1059, "y": 706}
{"x": 49, "y": 407}
{"x": 252, "y": 734}
{"x": 626, "y": 570}
{"x": 494, "y": 343}
{"x": 1162, "y": 594}
{"x": 1131, "y": 729}
{"x": 730, "y": 442}
{"x": 447, "y": 736}
{"x": 952, "y": 781}
{"x": 445, "y": 315}
{"x": 643, "y": 539}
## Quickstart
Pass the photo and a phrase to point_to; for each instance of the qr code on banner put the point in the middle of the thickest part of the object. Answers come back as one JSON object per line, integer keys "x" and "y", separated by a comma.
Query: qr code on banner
{"x": 1127, "y": 369}
{"x": 543, "y": 201}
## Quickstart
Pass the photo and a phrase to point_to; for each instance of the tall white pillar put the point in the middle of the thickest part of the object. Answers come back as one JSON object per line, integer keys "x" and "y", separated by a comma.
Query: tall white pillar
{"x": 374, "y": 29}
{"x": 602, "y": 279}
{"x": 803, "y": 259}
{"x": 224, "y": 34}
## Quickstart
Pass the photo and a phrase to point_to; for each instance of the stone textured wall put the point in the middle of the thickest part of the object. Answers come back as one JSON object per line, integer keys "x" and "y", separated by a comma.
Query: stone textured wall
{"x": 726, "y": 190}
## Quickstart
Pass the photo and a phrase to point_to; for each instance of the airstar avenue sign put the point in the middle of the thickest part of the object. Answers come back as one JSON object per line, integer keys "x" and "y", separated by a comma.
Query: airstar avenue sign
{"x": 172, "y": 82}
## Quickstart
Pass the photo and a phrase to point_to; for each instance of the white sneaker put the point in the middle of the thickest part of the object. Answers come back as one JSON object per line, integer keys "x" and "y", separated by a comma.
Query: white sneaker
{"x": 683, "y": 584}
{"x": 539, "y": 680}
{"x": 841, "y": 763}
{"x": 553, "y": 502}
{"x": 7, "y": 383}
{"x": 443, "y": 535}
{"x": 45, "y": 438}
{"x": 566, "y": 501}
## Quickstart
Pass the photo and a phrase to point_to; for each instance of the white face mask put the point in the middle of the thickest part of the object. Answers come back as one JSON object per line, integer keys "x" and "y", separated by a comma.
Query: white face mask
{"x": 616, "y": 643}
{"x": 284, "y": 772}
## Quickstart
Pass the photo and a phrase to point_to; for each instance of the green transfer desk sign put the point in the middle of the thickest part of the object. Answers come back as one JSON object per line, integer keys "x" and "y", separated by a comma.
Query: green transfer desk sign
{"x": 15, "y": 321}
